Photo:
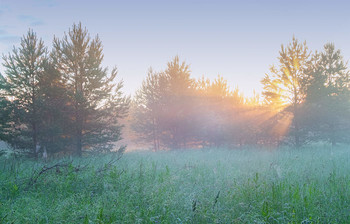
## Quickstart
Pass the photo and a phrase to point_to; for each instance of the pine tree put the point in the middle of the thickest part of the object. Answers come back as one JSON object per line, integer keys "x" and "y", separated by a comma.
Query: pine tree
{"x": 164, "y": 107}
{"x": 23, "y": 69}
{"x": 212, "y": 111}
{"x": 149, "y": 105}
{"x": 54, "y": 108}
{"x": 327, "y": 101}
{"x": 178, "y": 106}
{"x": 96, "y": 99}
{"x": 283, "y": 88}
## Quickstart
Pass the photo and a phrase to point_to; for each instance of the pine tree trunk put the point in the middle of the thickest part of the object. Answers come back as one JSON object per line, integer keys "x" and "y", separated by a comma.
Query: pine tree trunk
{"x": 35, "y": 140}
{"x": 296, "y": 120}
{"x": 79, "y": 130}
{"x": 296, "y": 127}
{"x": 34, "y": 124}
{"x": 154, "y": 135}
{"x": 79, "y": 136}
{"x": 79, "y": 145}
{"x": 79, "y": 111}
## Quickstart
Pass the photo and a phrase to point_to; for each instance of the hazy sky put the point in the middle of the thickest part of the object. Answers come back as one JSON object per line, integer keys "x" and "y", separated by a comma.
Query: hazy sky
{"x": 237, "y": 39}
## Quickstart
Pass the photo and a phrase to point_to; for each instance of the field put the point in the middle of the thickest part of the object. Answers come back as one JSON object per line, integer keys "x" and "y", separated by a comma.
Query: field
{"x": 310, "y": 185}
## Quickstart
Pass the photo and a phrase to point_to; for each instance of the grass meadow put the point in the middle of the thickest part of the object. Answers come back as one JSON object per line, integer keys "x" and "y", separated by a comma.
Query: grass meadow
{"x": 309, "y": 185}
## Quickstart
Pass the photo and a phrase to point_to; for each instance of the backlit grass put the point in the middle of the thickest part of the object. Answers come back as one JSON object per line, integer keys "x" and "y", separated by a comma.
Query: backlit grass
{"x": 310, "y": 185}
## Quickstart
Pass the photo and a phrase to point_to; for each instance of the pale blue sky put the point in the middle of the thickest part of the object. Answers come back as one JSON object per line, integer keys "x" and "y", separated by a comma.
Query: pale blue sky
{"x": 237, "y": 39}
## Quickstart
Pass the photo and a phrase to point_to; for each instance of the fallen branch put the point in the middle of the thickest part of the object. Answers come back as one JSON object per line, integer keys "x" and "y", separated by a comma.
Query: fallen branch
{"x": 34, "y": 178}
{"x": 43, "y": 170}
{"x": 109, "y": 165}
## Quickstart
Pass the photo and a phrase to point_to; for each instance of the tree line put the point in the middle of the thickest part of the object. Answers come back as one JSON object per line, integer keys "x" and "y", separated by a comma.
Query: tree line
{"x": 305, "y": 98}
{"x": 63, "y": 100}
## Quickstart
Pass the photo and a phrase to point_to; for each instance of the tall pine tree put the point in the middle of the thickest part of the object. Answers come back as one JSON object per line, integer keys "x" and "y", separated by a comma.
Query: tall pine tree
{"x": 283, "y": 88}
{"x": 23, "y": 70}
{"x": 95, "y": 96}
{"x": 178, "y": 107}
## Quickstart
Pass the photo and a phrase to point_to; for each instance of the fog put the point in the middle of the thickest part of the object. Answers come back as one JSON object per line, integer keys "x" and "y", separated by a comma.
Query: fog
{"x": 76, "y": 147}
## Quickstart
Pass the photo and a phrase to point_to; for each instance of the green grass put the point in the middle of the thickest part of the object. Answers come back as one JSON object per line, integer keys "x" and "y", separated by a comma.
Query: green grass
{"x": 309, "y": 185}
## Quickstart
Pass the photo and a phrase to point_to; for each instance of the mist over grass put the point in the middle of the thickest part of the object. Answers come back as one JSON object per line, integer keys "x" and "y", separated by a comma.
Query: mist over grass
{"x": 309, "y": 185}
